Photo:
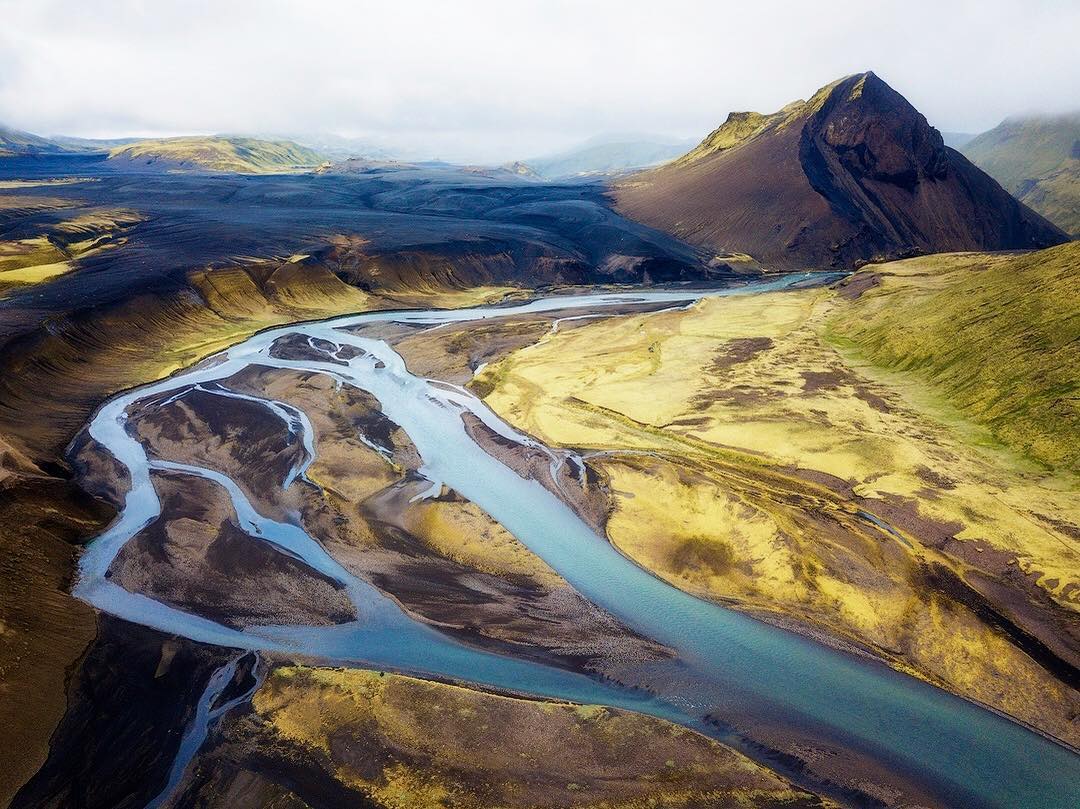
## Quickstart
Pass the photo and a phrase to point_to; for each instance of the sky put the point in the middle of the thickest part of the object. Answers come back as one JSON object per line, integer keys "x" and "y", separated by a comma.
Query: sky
{"x": 492, "y": 81}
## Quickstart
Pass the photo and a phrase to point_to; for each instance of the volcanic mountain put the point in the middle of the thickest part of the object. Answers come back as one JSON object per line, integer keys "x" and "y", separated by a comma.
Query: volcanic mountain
{"x": 855, "y": 173}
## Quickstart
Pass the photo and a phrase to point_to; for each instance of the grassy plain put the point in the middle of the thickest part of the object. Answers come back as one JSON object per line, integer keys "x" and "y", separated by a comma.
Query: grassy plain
{"x": 767, "y": 452}
{"x": 408, "y": 743}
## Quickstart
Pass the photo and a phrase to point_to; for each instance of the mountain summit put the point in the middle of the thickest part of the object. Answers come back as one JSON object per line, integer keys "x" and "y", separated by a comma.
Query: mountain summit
{"x": 855, "y": 173}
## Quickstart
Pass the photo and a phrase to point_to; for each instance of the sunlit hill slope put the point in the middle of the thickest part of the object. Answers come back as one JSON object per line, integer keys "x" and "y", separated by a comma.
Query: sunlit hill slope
{"x": 218, "y": 154}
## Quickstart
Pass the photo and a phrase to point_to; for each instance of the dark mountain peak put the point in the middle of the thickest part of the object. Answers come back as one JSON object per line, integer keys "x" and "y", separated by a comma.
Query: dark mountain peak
{"x": 855, "y": 173}
{"x": 876, "y": 133}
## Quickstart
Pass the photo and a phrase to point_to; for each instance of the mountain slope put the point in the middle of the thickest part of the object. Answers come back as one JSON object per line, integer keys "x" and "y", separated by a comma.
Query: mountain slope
{"x": 17, "y": 142}
{"x": 219, "y": 154}
{"x": 996, "y": 336}
{"x": 1037, "y": 159}
{"x": 853, "y": 174}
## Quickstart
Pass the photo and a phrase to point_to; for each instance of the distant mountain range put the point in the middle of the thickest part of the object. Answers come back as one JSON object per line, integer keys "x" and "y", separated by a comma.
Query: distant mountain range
{"x": 957, "y": 139}
{"x": 216, "y": 153}
{"x": 854, "y": 174}
{"x": 16, "y": 142}
{"x": 339, "y": 147}
{"x": 1037, "y": 159}
{"x": 609, "y": 154}
{"x": 832, "y": 181}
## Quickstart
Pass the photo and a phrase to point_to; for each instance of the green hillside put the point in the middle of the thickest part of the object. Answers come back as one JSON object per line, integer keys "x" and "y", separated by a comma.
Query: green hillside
{"x": 997, "y": 335}
{"x": 16, "y": 142}
{"x": 221, "y": 154}
{"x": 1037, "y": 159}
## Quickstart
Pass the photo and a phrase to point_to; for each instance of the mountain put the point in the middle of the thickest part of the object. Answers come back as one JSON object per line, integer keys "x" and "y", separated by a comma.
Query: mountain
{"x": 17, "y": 142}
{"x": 957, "y": 139}
{"x": 338, "y": 147}
{"x": 91, "y": 144}
{"x": 1037, "y": 159}
{"x": 217, "y": 154}
{"x": 608, "y": 155}
{"x": 854, "y": 174}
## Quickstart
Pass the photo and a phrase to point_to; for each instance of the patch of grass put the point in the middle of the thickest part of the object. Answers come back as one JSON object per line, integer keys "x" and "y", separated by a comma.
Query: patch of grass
{"x": 33, "y": 260}
{"x": 410, "y": 743}
{"x": 702, "y": 552}
{"x": 773, "y": 457}
{"x": 998, "y": 336}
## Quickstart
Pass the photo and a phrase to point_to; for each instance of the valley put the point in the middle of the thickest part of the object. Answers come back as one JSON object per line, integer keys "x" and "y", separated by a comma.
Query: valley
{"x": 747, "y": 480}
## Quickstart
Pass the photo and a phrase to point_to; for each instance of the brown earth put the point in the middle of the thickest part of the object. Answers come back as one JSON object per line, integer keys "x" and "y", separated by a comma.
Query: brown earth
{"x": 445, "y": 560}
{"x": 196, "y": 558}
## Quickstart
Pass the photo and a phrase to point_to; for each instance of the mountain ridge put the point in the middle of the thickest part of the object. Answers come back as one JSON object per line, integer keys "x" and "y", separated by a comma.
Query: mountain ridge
{"x": 607, "y": 155}
{"x": 217, "y": 154}
{"x": 15, "y": 142}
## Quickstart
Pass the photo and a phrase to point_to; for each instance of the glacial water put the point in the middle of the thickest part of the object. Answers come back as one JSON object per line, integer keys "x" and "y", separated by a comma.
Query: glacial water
{"x": 728, "y": 666}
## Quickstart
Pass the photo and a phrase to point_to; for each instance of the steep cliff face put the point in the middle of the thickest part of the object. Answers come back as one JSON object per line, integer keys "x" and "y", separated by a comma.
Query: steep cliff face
{"x": 853, "y": 174}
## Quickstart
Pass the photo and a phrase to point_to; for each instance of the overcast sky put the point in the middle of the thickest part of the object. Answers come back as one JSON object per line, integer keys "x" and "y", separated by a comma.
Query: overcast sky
{"x": 500, "y": 80}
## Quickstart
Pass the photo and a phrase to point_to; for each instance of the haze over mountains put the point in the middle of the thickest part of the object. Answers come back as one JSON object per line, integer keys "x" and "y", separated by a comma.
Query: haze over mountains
{"x": 610, "y": 154}
{"x": 854, "y": 174}
{"x": 16, "y": 142}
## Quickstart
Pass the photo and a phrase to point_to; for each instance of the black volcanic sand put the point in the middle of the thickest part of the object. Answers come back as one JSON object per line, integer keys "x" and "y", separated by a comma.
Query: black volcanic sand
{"x": 129, "y": 701}
{"x": 418, "y": 228}
{"x": 117, "y": 320}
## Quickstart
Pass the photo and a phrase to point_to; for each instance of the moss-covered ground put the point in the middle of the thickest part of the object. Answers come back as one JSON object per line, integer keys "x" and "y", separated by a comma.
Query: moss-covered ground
{"x": 888, "y": 464}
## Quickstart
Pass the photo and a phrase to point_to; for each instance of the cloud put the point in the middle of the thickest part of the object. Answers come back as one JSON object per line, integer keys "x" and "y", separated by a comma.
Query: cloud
{"x": 497, "y": 80}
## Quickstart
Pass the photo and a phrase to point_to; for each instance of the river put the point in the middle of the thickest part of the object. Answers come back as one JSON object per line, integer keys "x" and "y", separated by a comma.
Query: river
{"x": 727, "y": 665}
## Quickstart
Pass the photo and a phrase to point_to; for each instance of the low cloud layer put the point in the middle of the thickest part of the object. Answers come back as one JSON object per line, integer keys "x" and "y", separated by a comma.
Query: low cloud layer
{"x": 491, "y": 81}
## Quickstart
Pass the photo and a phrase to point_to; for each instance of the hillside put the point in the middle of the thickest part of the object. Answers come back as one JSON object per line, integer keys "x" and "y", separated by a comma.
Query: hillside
{"x": 218, "y": 154}
{"x": 1037, "y": 159}
{"x": 17, "y": 142}
{"x": 997, "y": 336}
{"x": 854, "y": 174}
